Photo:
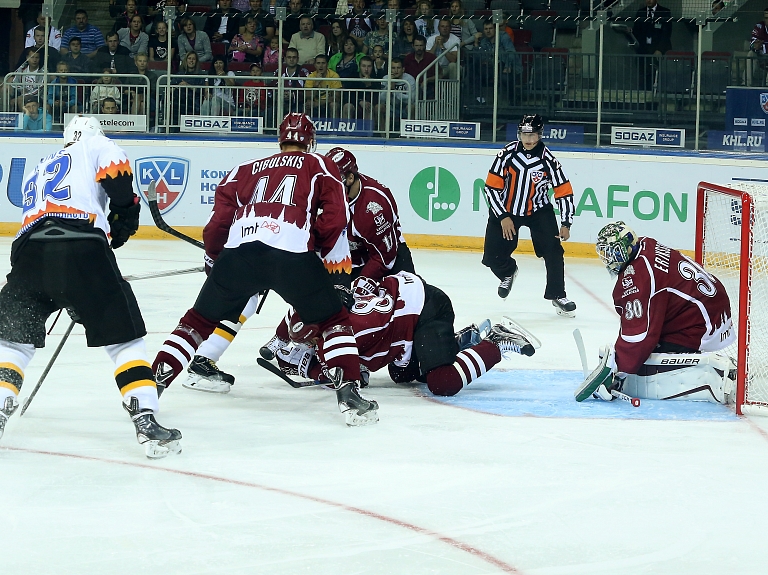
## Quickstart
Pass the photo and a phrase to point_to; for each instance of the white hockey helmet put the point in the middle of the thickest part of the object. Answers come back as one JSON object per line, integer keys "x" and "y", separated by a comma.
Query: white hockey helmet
{"x": 81, "y": 128}
{"x": 616, "y": 245}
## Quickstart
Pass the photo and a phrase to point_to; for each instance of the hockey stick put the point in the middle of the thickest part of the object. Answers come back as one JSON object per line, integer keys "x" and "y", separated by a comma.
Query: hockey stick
{"x": 154, "y": 209}
{"x": 292, "y": 382}
{"x": 585, "y": 368}
{"x": 72, "y": 325}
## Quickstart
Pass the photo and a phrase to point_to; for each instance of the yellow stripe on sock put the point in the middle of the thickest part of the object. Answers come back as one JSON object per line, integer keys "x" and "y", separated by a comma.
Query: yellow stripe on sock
{"x": 137, "y": 384}
{"x": 242, "y": 319}
{"x": 128, "y": 365}
{"x": 12, "y": 366}
{"x": 225, "y": 334}
{"x": 9, "y": 385}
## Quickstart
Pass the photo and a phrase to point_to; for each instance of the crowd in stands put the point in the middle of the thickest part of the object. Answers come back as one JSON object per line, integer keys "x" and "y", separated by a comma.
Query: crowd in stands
{"x": 335, "y": 58}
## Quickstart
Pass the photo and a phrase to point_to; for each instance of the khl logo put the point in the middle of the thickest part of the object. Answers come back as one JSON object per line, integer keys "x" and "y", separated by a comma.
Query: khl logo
{"x": 170, "y": 176}
{"x": 434, "y": 194}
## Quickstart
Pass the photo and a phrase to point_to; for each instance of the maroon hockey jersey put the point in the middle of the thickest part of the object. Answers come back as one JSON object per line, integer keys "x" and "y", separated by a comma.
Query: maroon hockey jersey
{"x": 374, "y": 229}
{"x": 662, "y": 295}
{"x": 292, "y": 201}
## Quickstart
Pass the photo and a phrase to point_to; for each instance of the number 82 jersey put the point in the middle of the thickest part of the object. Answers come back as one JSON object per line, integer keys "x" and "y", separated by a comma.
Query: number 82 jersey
{"x": 662, "y": 295}
{"x": 67, "y": 184}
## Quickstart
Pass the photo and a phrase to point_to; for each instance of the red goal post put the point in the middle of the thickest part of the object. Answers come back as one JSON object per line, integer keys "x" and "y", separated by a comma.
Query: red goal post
{"x": 732, "y": 244}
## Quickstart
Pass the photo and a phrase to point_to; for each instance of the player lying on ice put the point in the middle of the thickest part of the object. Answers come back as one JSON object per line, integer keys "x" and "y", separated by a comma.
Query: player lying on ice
{"x": 675, "y": 316}
{"x": 406, "y": 325}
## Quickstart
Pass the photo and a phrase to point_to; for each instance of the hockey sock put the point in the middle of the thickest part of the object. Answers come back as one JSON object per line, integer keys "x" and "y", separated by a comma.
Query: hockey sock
{"x": 469, "y": 365}
{"x": 218, "y": 342}
{"x": 133, "y": 373}
{"x": 338, "y": 347}
{"x": 180, "y": 347}
{"x": 14, "y": 359}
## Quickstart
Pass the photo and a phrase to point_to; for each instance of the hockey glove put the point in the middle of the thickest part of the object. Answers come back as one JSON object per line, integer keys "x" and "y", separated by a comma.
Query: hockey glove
{"x": 208, "y": 264}
{"x": 123, "y": 222}
{"x": 345, "y": 295}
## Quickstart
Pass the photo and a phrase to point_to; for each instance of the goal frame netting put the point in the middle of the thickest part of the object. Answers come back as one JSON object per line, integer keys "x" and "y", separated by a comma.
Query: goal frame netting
{"x": 745, "y": 253}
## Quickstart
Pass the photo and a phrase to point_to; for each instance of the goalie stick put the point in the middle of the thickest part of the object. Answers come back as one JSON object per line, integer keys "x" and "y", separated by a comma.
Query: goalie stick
{"x": 292, "y": 382}
{"x": 585, "y": 368}
{"x": 161, "y": 224}
{"x": 147, "y": 276}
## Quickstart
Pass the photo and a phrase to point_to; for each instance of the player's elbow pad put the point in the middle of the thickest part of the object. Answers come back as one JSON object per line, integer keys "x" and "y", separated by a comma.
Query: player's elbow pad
{"x": 119, "y": 189}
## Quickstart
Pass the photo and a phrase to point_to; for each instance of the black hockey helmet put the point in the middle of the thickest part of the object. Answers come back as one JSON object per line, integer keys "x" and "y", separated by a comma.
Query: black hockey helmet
{"x": 531, "y": 124}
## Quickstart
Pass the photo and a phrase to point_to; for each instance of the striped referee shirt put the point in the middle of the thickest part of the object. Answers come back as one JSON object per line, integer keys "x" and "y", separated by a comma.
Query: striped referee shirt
{"x": 519, "y": 180}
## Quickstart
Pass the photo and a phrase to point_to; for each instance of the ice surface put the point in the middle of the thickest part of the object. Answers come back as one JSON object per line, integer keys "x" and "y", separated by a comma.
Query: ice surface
{"x": 508, "y": 476}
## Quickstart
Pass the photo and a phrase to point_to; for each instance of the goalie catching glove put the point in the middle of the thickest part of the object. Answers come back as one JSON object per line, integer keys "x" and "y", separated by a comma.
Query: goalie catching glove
{"x": 123, "y": 222}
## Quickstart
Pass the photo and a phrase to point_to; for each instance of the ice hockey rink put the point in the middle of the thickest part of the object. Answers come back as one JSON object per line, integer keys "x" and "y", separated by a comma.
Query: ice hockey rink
{"x": 509, "y": 476}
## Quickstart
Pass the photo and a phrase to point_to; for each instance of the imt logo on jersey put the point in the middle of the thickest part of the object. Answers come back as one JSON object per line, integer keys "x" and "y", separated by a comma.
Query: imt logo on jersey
{"x": 170, "y": 176}
{"x": 434, "y": 194}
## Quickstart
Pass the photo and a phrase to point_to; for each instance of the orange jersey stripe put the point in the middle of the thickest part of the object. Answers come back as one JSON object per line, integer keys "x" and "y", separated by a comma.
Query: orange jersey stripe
{"x": 494, "y": 181}
{"x": 344, "y": 266}
{"x": 529, "y": 203}
{"x": 563, "y": 190}
{"x": 512, "y": 185}
{"x": 113, "y": 170}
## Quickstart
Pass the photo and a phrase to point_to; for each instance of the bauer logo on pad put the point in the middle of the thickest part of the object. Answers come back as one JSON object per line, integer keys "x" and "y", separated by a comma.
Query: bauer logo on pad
{"x": 170, "y": 174}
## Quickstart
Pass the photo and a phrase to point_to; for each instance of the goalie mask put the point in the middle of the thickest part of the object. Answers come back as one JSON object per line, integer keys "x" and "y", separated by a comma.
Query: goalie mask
{"x": 616, "y": 245}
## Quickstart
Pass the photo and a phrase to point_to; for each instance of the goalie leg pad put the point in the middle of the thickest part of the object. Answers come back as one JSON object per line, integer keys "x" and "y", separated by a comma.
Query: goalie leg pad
{"x": 602, "y": 375}
{"x": 689, "y": 376}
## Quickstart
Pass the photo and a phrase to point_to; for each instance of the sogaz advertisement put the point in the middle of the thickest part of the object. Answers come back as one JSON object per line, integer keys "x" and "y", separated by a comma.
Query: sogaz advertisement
{"x": 439, "y": 190}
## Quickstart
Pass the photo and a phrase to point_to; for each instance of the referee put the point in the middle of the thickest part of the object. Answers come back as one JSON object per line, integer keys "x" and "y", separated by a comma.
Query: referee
{"x": 517, "y": 189}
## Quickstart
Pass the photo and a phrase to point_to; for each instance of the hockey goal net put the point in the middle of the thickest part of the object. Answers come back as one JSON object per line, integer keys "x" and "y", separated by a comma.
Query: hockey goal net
{"x": 732, "y": 244}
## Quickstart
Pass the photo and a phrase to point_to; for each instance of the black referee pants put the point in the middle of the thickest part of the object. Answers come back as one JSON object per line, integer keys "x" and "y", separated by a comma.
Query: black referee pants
{"x": 497, "y": 251}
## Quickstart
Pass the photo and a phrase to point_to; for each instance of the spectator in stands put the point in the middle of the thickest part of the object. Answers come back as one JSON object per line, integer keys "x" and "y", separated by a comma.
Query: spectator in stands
{"x": 124, "y": 19}
{"x": 759, "y": 43}
{"x": 90, "y": 36}
{"x": 337, "y": 37}
{"x": 426, "y": 24}
{"x": 27, "y": 83}
{"x": 462, "y": 27}
{"x": 62, "y": 93}
{"x": 188, "y": 100}
{"x": 360, "y": 102}
{"x": 322, "y": 101}
{"x": 194, "y": 40}
{"x": 223, "y": 23}
{"x": 272, "y": 53}
{"x": 116, "y": 7}
{"x": 380, "y": 62}
{"x": 104, "y": 88}
{"x": 133, "y": 38}
{"x": 308, "y": 42}
{"x": 404, "y": 42}
{"x": 292, "y": 22}
{"x": 395, "y": 5}
{"x": 402, "y": 96}
{"x": 265, "y": 22}
{"x": 54, "y": 34}
{"x": 109, "y": 106}
{"x": 653, "y": 29}
{"x": 377, "y": 37}
{"x": 269, "y": 6}
{"x": 481, "y": 65}
{"x": 75, "y": 60}
{"x": 247, "y": 46}
{"x": 345, "y": 63}
{"x": 158, "y": 43}
{"x": 294, "y": 77}
{"x": 219, "y": 100}
{"x": 445, "y": 46}
{"x": 33, "y": 119}
{"x": 39, "y": 46}
{"x": 156, "y": 10}
{"x": 253, "y": 98}
{"x": 137, "y": 96}
{"x": 114, "y": 56}
{"x": 358, "y": 23}
{"x": 418, "y": 60}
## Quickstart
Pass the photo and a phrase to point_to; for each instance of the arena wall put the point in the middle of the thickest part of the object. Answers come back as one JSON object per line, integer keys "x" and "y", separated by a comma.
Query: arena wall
{"x": 438, "y": 186}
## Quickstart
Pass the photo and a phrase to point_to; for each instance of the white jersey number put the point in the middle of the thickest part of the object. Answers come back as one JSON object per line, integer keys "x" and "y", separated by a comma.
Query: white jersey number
{"x": 52, "y": 175}
{"x": 283, "y": 194}
{"x": 690, "y": 270}
{"x": 633, "y": 309}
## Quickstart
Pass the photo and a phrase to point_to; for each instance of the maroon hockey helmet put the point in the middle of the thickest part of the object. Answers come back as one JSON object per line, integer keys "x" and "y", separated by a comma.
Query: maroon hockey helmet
{"x": 297, "y": 129}
{"x": 344, "y": 159}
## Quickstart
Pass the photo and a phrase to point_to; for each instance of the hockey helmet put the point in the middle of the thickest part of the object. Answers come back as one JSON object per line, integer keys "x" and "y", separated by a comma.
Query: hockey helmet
{"x": 81, "y": 128}
{"x": 530, "y": 124}
{"x": 617, "y": 244}
{"x": 344, "y": 159}
{"x": 297, "y": 129}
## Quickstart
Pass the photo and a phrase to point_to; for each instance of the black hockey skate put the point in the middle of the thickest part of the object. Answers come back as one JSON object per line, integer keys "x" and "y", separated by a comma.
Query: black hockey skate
{"x": 472, "y": 334}
{"x": 506, "y": 285}
{"x": 204, "y": 375}
{"x": 156, "y": 439}
{"x": 357, "y": 410}
{"x": 10, "y": 405}
{"x": 509, "y": 341}
{"x": 564, "y": 307}
{"x": 269, "y": 349}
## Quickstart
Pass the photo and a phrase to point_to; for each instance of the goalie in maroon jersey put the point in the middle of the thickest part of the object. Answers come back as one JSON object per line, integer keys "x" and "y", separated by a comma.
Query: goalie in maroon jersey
{"x": 405, "y": 324}
{"x": 269, "y": 218}
{"x": 675, "y": 316}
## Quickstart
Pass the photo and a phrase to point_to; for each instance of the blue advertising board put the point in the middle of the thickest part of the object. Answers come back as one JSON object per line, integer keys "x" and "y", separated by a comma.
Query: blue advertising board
{"x": 746, "y": 109}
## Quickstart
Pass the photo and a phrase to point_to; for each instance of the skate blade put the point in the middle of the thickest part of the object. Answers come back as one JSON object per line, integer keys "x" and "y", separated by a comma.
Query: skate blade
{"x": 353, "y": 419}
{"x": 563, "y": 313}
{"x": 156, "y": 449}
{"x": 206, "y": 385}
{"x": 511, "y": 324}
